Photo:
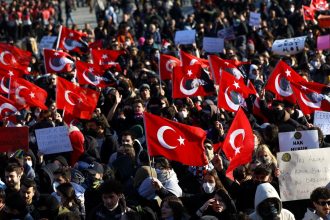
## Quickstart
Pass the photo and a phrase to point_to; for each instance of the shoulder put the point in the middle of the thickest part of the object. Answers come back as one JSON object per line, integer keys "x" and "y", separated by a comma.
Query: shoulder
{"x": 286, "y": 214}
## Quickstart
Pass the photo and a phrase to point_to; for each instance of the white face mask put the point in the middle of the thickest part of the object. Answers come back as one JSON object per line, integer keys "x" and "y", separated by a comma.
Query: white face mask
{"x": 29, "y": 163}
{"x": 55, "y": 185}
{"x": 208, "y": 187}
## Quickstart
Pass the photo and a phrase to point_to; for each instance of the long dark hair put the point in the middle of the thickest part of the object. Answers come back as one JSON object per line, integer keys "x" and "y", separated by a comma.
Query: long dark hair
{"x": 176, "y": 205}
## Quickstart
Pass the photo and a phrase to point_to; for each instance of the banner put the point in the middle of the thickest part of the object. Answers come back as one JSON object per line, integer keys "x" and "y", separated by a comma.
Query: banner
{"x": 302, "y": 172}
{"x": 289, "y": 46}
{"x": 213, "y": 44}
{"x": 13, "y": 138}
{"x": 322, "y": 120}
{"x": 323, "y": 42}
{"x": 298, "y": 140}
{"x": 254, "y": 19}
{"x": 227, "y": 33}
{"x": 185, "y": 37}
{"x": 53, "y": 140}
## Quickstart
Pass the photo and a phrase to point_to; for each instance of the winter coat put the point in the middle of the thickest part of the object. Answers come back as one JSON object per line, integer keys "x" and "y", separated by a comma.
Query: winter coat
{"x": 311, "y": 215}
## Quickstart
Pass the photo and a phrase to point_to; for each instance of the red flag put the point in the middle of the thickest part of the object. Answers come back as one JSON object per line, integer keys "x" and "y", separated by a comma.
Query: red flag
{"x": 96, "y": 44}
{"x": 188, "y": 59}
{"x": 72, "y": 40}
{"x": 80, "y": 102}
{"x": 13, "y": 138}
{"x": 239, "y": 143}
{"x": 256, "y": 107}
{"x": 324, "y": 21}
{"x": 310, "y": 98}
{"x": 57, "y": 61}
{"x": 107, "y": 58}
{"x": 232, "y": 92}
{"x": 308, "y": 13}
{"x": 8, "y": 107}
{"x": 14, "y": 57}
{"x": 88, "y": 73}
{"x": 26, "y": 93}
{"x": 321, "y": 5}
{"x": 4, "y": 84}
{"x": 175, "y": 141}
{"x": 279, "y": 82}
{"x": 11, "y": 71}
{"x": 166, "y": 64}
{"x": 191, "y": 81}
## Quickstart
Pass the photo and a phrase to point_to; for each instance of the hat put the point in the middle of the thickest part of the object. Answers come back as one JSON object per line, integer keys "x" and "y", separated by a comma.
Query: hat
{"x": 95, "y": 167}
{"x": 62, "y": 160}
{"x": 143, "y": 87}
{"x": 253, "y": 67}
{"x": 137, "y": 131}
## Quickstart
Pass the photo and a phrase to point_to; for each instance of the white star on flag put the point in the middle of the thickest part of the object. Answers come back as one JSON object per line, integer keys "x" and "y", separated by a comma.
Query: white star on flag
{"x": 288, "y": 72}
{"x": 189, "y": 73}
{"x": 10, "y": 73}
{"x": 90, "y": 69}
{"x": 236, "y": 84}
{"x": 32, "y": 95}
{"x": 104, "y": 56}
{"x": 303, "y": 87}
{"x": 237, "y": 150}
{"x": 71, "y": 34}
{"x": 56, "y": 54}
{"x": 181, "y": 140}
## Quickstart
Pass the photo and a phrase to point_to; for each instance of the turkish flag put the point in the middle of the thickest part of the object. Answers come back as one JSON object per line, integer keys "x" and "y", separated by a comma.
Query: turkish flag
{"x": 239, "y": 143}
{"x": 321, "y": 5}
{"x": 175, "y": 141}
{"x": 166, "y": 65}
{"x": 79, "y": 102}
{"x": 107, "y": 58}
{"x": 72, "y": 40}
{"x": 324, "y": 21}
{"x": 308, "y": 13}
{"x": 218, "y": 65}
{"x": 279, "y": 82}
{"x": 188, "y": 59}
{"x": 191, "y": 81}
{"x": 96, "y": 45}
{"x": 91, "y": 74}
{"x": 256, "y": 107}
{"x": 57, "y": 61}
{"x": 8, "y": 107}
{"x": 26, "y": 93}
{"x": 13, "y": 138}
{"x": 12, "y": 56}
{"x": 310, "y": 98}
{"x": 232, "y": 92}
{"x": 11, "y": 71}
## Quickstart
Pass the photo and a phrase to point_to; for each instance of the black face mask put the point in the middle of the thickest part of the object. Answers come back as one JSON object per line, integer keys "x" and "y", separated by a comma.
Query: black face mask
{"x": 270, "y": 212}
{"x": 91, "y": 132}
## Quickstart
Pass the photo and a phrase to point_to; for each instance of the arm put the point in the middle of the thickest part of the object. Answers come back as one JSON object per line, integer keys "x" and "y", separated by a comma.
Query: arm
{"x": 114, "y": 107}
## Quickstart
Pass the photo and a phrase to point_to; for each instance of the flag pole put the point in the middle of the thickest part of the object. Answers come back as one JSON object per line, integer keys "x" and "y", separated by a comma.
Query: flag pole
{"x": 59, "y": 37}
{"x": 9, "y": 85}
{"x": 160, "y": 78}
{"x": 146, "y": 135}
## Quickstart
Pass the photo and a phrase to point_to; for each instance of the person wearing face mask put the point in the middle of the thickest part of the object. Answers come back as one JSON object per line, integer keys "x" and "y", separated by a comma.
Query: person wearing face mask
{"x": 268, "y": 205}
{"x": 265, "y": 156}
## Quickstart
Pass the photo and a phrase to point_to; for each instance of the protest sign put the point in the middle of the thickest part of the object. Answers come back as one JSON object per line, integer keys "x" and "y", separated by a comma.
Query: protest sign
{"x": 254, "y": 19}
{"x": 53, "y": 140}
{"x": 323, "y": 42}
{"x": 322, "y": 120}
{"x": 46, "y": 42}
{"x": 185, "y": 37}
{"x": 213, "y": 44}
{"x": 298, "y": 140}
{"x": 226, "y": 33}
{"x": 289, "y": 46}
{"x": 302, "y": 171}
{"x": 13, "y": 138}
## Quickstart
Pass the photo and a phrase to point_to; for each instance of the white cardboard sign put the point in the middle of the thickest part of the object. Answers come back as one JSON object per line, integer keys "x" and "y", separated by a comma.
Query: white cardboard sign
{"x": 53, "y": 140}
{"x": 254, "y": 19}
{"x": 289, "y": 46}
{"x": 213, "y": 44}
{"x": 298, "y": 140}
{"x": 302, "y": 172}
{"x": 322, "y": 120}
{"x": 185, "y": 37}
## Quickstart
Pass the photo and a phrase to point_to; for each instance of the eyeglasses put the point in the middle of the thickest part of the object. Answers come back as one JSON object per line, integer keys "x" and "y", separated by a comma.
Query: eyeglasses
{"x": 323, "y": 203}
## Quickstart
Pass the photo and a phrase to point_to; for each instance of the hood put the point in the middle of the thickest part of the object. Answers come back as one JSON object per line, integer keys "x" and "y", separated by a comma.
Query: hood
{"x": 265, "y": 191}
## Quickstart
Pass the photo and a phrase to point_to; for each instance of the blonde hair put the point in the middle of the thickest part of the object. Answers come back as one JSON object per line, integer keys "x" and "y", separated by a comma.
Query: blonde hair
{"x": 265, "y": 148}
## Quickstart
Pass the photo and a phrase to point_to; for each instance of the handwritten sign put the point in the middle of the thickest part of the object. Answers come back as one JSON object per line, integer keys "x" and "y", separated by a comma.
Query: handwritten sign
{"x": 227, "y": 33}
{"x": 46, "y": 42}
{"x": 322, "y": 120}
{"x": 323, "y": 42}
{"x": 185, "y": 37}
{"x": 289, "y": 46}
{"x": 254, "y": 19}
{"x": 53, "y": 140}
{"x": 298, "y": 140}
{"x": 13, "y": 138}
{"x": 302, "y": 171}
{"x": 213, "y": 44}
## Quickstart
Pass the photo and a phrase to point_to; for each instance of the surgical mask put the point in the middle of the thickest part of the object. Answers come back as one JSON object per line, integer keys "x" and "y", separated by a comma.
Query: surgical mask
{"x": 29, "y": 163}
{"x": 55, "y": 185}
{"x": 266, "y": 160}
{"x": 208, "y": 187}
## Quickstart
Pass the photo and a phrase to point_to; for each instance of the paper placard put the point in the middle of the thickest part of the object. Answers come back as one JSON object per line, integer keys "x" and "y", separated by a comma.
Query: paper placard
{"x": 289, "y": 46}
{"x": 322, "y": 120}
{"x": 213, "y": 44}
{"x": 254, "y": 19}
{"x": 185, "y": 37}
{"x": 13, "y": 138}
{"x": 298, "y": 140}
{"x": 226, "y": 33}
{"x": 53, "y": 140}
{"x": 302, "y": 171}
{"x": 46, "y": 42}
{"x": 323, "y": 42}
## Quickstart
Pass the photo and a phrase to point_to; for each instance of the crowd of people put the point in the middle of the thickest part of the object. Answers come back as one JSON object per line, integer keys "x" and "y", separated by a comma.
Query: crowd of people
{"x": 114, "y": 177}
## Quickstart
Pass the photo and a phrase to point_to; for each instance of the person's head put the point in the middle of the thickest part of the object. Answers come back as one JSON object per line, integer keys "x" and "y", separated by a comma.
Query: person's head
{"x": 66, "y": 192}
{"x": 28, "y": 190}
{"x": 138, "y": 107}
{"x": 172, "y": 207}
{"x": 15, "y": 207}
{"x": 262, "y": 174}
{"x": 211, "y": 182}
{"x": 145, "y": 92}
{"x": 47, "y": 207}
{"x": 267, "y": 202}
{"x": 222, "y": 202}
{"x": 2, "y": 199}
{"x": 112, "y": 192}
{"x": 264, "y": 155}
{"x": 61, "y": 175}
{"x": 13, "y": 174}
{"x": 127, "y": 138}
{"x": 161, "y": 163}
{"x": 321, "y": 201}
{"x": 208, "y": 149}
